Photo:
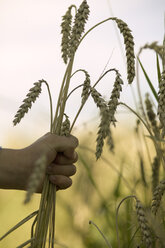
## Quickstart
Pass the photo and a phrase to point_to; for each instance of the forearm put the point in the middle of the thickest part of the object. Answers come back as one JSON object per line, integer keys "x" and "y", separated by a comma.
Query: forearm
{"x": 10, "y": 169}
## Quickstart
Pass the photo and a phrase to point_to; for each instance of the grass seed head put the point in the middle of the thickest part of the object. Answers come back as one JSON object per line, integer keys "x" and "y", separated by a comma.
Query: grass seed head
{"x": 153, "y": 46}
{"x": 129, "y": 47}
{"x": 36, "y": 177}
{"x": 115, "y": 96}
{"x": 79, "y": 27}
{"x": 110, "y": 141}
{"x": 65, "y": 30}
{"x": 161, "y": 103}
{"x": 157, "y": 197}
{"x": 145, "y": 230}
{"x": 86, "y": 87}
{"x": 65, "y": 127}
{"x": 105, "y": 121}
{"x": 152, "y": 116}
{"x": 27, "y": 102}
{"x": 155, "y": 173}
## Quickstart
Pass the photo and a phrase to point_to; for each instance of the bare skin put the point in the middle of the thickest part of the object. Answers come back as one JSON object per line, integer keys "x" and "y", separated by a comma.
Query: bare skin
{"x": 16, "y": 165}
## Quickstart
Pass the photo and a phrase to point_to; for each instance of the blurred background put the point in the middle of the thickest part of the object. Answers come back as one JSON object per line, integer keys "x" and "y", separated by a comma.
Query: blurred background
{"x": 30, "y": 50}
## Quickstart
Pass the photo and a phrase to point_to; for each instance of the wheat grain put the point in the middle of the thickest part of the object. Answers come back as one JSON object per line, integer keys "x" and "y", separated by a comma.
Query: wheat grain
{"x": 161, "y": 103}
{"x": 157, "y": 196}
{"x": 113, "y": 102}
{"x": 129, "y": 47}
{"x": 79, "y": 27}
{"x": 27, "y": 102}
{"x": 145, "y": 230}
{"x": 65, "y": 126}
{"x": 36, "y": 177}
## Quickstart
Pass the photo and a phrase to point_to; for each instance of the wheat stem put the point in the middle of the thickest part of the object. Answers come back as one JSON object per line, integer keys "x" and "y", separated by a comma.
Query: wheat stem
{"x": 51, "y": 105}
{"x": 102, "y": 234}
{"x": 82, "y": 105}
{"x": 19, "y": 224}
{"x": 59, "y": 99}
{"x": 129, "y": 44}
{"x": 117, "y": 213}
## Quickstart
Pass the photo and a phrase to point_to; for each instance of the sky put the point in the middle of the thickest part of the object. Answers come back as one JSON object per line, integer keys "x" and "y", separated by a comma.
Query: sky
{"x": 30, "y": 50}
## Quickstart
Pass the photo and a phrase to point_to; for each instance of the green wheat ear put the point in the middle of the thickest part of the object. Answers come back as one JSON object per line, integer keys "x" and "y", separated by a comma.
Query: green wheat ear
{"x": 65, "y": 128}
{"x": 66, "y": 30}
{"x": 115, "y": 96}
{"x": 103, "y": 131}
{"x": 27, "y": 102}
{"x": 145, "y": 230}
{"x": 129, "y": 47}
{"x": 78, "y": 27}
{"x": 161, "y": 103}
{"x": 36, "y": 177}
{"x": 157, "y": 197}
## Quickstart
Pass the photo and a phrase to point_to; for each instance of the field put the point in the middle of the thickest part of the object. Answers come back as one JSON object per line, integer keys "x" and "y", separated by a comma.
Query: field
{"x": 98, "y": 188}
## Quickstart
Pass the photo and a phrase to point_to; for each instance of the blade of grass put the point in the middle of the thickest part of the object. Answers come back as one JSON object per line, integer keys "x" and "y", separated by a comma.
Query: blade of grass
{"x": 149, "y": 81}
{"x": 25, "y": 243}
{"x": 19, "y": 224}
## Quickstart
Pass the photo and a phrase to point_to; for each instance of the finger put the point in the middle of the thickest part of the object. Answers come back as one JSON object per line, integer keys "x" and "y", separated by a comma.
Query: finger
{"x": 65, "y": 170}
{"x": 62, "y": 182}
{"x": 62, "y": 159}
{"x": 61, "y": 143}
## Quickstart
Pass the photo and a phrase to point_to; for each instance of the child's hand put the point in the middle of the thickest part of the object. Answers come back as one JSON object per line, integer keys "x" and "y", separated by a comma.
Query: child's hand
{"x": 60, "y": 156}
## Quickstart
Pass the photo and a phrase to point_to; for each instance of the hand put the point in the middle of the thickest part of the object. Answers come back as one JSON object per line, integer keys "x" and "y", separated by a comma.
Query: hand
{"x": 60, "y": 156}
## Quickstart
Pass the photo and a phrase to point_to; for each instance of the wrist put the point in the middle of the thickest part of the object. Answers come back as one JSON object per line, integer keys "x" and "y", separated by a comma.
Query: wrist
{"x": 10, "y": 169}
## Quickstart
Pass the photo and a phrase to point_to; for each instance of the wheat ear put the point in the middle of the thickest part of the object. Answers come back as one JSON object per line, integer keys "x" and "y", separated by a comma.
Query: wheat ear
{"x": 86, "y": 87}
{"x": 78, "y": 27}
{"x": 66, "y": 32}
{"x": 152, "y": 116}
{"x": 129, "y": 47}
{"x": 65, "y": 128}
{"x": 161, "y": 103}
{"x": 153, "y": 46}
{"x": 157, "y": 197}
{"x": 36, "y": 177}
{"x": 104, "y": 124}
{"x": 115, "y": 96}
{"x": 145, "y": 230}
{"x": 155, "y": 173}
{"x": 27, "y": 102}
